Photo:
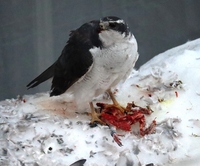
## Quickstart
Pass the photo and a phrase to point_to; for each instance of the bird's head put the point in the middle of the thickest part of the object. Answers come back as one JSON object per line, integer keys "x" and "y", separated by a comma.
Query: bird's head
{"x": 112, "y": 29}
{"x": 115, "y": 24}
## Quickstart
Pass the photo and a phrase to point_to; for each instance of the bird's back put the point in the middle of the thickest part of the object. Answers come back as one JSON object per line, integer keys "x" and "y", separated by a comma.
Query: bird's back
{"x": 74, "y": 61}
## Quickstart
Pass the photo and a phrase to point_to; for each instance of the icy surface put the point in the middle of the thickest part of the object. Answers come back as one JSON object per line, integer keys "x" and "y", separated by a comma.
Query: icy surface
{"x": 38, "y": 130}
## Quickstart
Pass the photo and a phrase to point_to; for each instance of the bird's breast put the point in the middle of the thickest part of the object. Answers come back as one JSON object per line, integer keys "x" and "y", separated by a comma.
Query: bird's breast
{"x": 117, "y": 58}
{"x": 110, "y": 66}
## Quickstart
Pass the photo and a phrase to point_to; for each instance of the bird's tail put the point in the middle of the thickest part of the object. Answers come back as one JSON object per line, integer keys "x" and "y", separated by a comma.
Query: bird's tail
{"x": 48, "y": 73}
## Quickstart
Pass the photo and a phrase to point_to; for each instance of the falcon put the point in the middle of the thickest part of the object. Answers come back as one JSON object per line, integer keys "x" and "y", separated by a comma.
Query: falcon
{"x": 97, "y": 56}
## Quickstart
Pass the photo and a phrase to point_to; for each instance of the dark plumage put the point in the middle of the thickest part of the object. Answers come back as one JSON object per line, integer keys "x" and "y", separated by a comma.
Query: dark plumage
{"x": 75, "y": 59}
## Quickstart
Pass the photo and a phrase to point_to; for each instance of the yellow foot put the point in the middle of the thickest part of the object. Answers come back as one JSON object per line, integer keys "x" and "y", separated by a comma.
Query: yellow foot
{"x": 119, "y": 107}
{"x": 115, "y": 103}
{"x": 95, "y": 117}
{"x": 111, "y": 107}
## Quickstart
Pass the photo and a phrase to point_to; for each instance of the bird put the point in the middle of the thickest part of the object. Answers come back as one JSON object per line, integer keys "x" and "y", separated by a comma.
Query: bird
{"x": 97, "y": 56}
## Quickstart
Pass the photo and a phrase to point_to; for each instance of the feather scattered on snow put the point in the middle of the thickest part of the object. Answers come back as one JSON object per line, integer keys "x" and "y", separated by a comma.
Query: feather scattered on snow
{"x": 38, "y": 130}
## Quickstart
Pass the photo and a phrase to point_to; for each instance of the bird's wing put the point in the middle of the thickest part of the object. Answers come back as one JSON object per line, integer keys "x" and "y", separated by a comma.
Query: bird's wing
{"x": 71, "y": 65}
{"x": 76, "y": 58}
{"x": 74, "y": 61}
{"x": 48, "y": 73}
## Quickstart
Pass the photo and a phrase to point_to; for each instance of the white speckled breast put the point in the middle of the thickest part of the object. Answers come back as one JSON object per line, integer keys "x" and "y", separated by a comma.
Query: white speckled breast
{"x": 112, "y": 64}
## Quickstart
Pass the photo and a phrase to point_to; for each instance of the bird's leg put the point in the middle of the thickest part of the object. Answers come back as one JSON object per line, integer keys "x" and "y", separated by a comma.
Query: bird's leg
{"x": 115, "y": 102}
{"x": 95, "y": 115}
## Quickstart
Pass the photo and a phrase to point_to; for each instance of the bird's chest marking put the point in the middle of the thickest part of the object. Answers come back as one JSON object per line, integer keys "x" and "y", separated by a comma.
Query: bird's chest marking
{"x": 115, "y": 59}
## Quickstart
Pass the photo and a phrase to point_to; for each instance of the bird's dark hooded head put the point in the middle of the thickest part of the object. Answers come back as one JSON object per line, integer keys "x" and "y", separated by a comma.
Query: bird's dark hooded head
{"x": 114, "y": 23}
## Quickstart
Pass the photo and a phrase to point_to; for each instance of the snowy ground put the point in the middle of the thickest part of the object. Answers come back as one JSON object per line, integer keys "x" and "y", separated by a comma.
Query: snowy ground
{"x": 38, "y": 130}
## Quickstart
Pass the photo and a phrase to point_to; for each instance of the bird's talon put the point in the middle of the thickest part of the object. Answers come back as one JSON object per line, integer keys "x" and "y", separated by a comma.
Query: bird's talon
{"x": 95, "y": 117}
{"x": 96, "y": 122}
{"x": 93, "y": 124}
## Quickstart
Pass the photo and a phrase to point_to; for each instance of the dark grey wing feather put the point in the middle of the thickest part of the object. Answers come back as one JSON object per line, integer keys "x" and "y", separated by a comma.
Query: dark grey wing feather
{"x": 75, "y": 59}
{"x": 48, "y": 73}
{"x": 69, "y": 68}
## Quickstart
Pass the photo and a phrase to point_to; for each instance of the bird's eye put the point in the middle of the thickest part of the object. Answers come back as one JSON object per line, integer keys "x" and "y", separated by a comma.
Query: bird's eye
{"x": 112, "y": 25}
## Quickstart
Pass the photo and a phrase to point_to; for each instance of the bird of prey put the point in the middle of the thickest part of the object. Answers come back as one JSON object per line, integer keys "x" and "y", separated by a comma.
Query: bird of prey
{"x": 97, "y": 56}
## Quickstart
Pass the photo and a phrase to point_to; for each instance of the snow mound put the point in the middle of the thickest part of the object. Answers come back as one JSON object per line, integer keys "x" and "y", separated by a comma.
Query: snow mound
{"x": 39, "y": 130}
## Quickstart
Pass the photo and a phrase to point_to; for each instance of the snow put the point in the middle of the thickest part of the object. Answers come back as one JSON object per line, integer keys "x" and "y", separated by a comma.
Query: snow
{"x": 39, "y": 130}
